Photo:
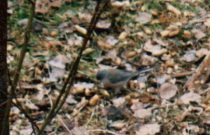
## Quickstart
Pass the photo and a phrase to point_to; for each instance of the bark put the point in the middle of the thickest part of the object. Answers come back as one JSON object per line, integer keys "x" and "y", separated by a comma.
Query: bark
{"x": 4, "y": 107}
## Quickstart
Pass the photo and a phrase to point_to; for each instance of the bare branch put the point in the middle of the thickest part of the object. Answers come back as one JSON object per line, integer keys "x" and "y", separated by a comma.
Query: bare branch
{"x": 73, "y": 70}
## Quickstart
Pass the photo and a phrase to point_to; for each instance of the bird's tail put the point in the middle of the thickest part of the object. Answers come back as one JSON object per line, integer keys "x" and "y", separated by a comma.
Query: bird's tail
{"x": 144, "y": 70}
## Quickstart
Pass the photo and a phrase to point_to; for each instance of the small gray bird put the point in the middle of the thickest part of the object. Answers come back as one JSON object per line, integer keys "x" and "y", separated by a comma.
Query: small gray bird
{"x": 115, "y": 78}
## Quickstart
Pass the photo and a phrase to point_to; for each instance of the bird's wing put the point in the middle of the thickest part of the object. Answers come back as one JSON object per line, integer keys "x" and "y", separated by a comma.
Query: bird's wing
{"x": 120, "y": 76}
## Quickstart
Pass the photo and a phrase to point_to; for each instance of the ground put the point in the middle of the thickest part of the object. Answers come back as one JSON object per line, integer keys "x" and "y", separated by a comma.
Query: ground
{"x": 170, "y": 38}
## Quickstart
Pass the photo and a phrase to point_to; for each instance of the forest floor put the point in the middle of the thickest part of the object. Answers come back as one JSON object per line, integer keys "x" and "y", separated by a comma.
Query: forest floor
{"x": 171, "y": 38}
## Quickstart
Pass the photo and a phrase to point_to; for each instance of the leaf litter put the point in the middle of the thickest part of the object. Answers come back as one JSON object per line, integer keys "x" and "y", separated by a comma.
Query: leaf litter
{"x": 171, "y": 36}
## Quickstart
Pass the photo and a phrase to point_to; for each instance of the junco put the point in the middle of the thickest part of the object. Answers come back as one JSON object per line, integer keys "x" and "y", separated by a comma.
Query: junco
{"x": 115, "y": 78}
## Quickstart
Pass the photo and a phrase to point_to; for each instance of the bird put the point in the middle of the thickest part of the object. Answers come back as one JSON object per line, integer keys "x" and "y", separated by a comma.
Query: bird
{"x": 115, "y": 78}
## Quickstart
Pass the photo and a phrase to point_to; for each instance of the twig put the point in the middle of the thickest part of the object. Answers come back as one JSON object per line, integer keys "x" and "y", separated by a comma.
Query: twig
{"x": 24, "y": 49}
{"x": 20, "y": 64}
{"x": 73, "y": 70}
{"x": 182, "y": 74}
{"x": 33, "y": 124}
{"x": 19, "y": 106}
{"x": 104, "y": 131}
{"x": 64, "y": 124}
{"x": 200, "y": 76}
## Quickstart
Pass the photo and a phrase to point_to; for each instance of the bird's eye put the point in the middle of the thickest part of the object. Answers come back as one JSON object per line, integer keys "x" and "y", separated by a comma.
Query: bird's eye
{"x": 100, "y": 76}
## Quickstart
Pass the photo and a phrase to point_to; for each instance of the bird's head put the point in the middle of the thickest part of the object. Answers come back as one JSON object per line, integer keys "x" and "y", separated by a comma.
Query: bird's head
{"x": 101, "y": 74}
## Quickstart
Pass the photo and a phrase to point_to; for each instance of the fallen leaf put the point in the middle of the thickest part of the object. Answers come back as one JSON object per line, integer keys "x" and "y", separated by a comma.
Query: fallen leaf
{"x": 190, "y": 97}
{"x": 85, "y": 17}
{"x": 187, "y": 34}
{"x": 31, "y": 105}
{"x": 70, "y": 100}
{"x": 207, "y": 22}
{"x": 111, "y": 40}
{"x": 123, "y": 35}
{"x": 189, "y": 56}
{"x": 117, "y": 102}
{"x": 42, "y": 6}
{"x": 80, "y": 87}
{"x": 55, "y": 3}
{"x": 156, "y": 50}
{"x": 142, "y": 113}
{"x": 118, "y": 124}
{"x": 173, "y": 9}
{"x": 80, "y": 29}
{"x": 120, "y": 4}
{"x": 147, "y": 60}
{"x": 57, "y": 65}
{"x": 107, "y": 43}
{"x": 143, "y": 18}
{"x": 170, "y": 31}
{"x": 80, "y": 131}
{"x": 192, "y": 128}
{"x": 137, "y": 105}
{"x": 148, "y": 129}
{"x": 103, "y": 24}
{"x": 200, "y": 76}
{"x": 202, "y": 52}
{"x": 74, "y": 40}
{"x": 198, "y": 33}
{"x": 94, "y": 100}
{"x": 168, "y": 90}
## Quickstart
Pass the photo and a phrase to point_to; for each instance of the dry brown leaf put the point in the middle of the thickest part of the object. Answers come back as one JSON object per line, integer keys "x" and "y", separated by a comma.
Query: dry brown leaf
{"x": 79, "y": 131}
{"x": 74, "y": 40}
{"x": 199, "y": 34}
{"x": 120, "y": 4}
{"x": 200, "y": 76}
{"x": 189, "y": 56}
{"x": 123, "y": 35}
{"x": 202, "y": 52}
{"x": 130, "y": 54}
{"x": 55, "y": 3}
{"x": 57, "y": 65}
{"x": 42, "y": 6}
{"x": 94, "y": 100}
{"x": 118, "y": 124}
{"x": 156, "y": 50}
{"x": 143, "y": 18}
{"x": 148, "y": 129}
{"x": 103, "y": 24}
{"x": 142, "y": 113}
{"x": 173, "y": 9}
{"x": 192, "y": 128}
{"x": 107, "y": 43}
{"x": 31, "y": 105}
{"x": 207, "y": 22}
{"x": 70, "y": 100}
{"x": 187, "y": 34}
{"x": 147, "y": 60}
{"x": 171, "y": 31}
{"x": 168, "y": 90}
{"x": 88, "y": 51}
{"x": 80, "y": 29}
{"x": 85, "y": 17}
{"x": 117, "y": 102}
{"x": 80, "y": 87}
{"x": 137, "y": 105}
{"x": 190, "y": 97}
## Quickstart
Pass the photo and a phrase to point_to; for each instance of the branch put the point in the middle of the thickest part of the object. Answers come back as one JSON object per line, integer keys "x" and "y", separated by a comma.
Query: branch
{"x": 20, "y": 64}
{"x": 24, "y": 49}
{"x": 73, "y": 70}
{"x": 91, "y": 28}
{"x": 19, "y": 106}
